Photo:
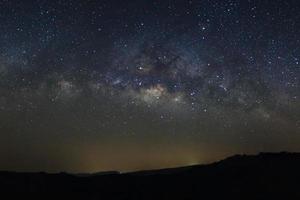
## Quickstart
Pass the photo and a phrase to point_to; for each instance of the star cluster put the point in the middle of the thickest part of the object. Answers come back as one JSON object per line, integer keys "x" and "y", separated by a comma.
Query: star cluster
{"x": 102, "y": 85}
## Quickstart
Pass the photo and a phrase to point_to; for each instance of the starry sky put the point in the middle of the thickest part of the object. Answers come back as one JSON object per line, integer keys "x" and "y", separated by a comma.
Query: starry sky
{"x": 90, "y": 85}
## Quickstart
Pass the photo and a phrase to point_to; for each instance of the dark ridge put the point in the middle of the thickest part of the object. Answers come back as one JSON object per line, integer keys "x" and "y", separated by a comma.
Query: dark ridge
{"x": 262, "y": 176}
{"x": 97, "y": 173}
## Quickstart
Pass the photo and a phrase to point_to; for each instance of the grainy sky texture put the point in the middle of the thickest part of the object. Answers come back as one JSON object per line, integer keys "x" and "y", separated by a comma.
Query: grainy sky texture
{"x": 89, "y": 86}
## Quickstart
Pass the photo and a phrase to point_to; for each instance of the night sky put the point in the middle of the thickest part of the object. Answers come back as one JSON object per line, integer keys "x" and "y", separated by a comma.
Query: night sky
{"x": 90, "y": 86}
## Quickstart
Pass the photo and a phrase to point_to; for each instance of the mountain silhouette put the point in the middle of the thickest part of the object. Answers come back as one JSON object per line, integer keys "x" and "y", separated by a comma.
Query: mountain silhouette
{"x": 263, "y": 176}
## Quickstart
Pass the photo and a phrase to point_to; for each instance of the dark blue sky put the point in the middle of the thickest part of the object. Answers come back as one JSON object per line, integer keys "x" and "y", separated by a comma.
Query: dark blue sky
{"x": 126, "y": 85}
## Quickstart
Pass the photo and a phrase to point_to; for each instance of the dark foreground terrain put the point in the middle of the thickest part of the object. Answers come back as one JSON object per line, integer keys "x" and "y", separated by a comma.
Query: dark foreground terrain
{"x": 264, "y": 176}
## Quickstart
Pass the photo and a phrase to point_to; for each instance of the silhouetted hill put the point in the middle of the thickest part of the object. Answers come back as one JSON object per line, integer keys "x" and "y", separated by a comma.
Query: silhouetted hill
{"x": 264, "y": 176}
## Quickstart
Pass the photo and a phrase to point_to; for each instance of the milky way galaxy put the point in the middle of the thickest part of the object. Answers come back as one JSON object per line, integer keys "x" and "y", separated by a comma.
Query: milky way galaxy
{"x": 128, "y": 85}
